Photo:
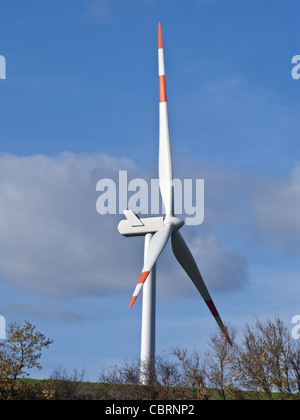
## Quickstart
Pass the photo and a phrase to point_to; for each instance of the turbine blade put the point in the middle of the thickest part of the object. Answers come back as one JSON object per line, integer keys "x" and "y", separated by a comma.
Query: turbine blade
{"x": 165, "y": 159}
{"x": 186, "y": 260}
{"x": 157, "y": 244}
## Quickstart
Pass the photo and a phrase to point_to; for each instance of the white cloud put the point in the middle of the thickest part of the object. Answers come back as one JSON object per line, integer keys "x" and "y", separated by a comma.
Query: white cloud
{"x": 54, "y": 243}
{"x": 257, "y": 208}
{"x": 52, "y": 240}
{"x": 276, "y": 211}
{"x": 223, "y": 269}
{"x": 45, "y": 309}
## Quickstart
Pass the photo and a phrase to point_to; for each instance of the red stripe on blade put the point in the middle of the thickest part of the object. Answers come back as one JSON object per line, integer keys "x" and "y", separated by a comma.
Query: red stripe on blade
{"x": 132, "y": 301}
{"x": 162, "y": 89}
{"x": 143, "y": 277}
{"x": 160, "y": 44}
{"x": 212, "y": 307}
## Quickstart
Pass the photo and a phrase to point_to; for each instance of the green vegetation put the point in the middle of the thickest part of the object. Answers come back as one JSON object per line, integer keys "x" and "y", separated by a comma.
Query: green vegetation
{"x": 265, "y": 365}
{"x": 33, "y": 389}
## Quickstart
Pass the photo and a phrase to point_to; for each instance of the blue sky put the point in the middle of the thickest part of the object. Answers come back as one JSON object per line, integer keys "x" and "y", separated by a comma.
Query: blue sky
{"x": 80, "y": 103}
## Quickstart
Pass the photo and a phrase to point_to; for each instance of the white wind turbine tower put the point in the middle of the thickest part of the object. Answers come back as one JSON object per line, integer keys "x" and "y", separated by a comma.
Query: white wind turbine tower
{"x": 157, "y": 232}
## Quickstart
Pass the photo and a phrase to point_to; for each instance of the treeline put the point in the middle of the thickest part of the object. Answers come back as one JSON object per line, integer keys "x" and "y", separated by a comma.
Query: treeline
{"x": 262, "y": 363}
{"x": 265, "y": 364}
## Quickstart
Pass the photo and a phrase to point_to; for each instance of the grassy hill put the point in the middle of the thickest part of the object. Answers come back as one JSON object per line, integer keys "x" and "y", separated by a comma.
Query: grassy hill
{"x": 33, "y": 389}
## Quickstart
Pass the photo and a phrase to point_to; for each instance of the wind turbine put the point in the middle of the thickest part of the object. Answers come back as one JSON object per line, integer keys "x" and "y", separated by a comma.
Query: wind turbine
{"x": 158, "y": 231}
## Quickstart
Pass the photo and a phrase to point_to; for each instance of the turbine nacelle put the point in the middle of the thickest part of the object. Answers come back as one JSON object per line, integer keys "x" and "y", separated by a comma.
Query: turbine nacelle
{"x": 133, "y": 225}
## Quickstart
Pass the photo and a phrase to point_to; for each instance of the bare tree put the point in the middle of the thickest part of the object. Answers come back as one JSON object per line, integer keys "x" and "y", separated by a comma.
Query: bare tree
{"x": 295, "y": 366}
{"x": 252, "y": 369}
{"x": 277, "y": 342}
{"x": 267, "y": 360}
{"x": 220, "y": 360}
{"x": 192, "y": 369}
{"x": 167, "y": 373}
{"x": 127, "y": 374}
{"x": 66, "y": 386}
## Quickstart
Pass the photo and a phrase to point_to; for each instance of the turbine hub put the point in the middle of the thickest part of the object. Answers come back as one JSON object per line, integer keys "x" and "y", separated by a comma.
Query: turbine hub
{"x": 175, "y": 221}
